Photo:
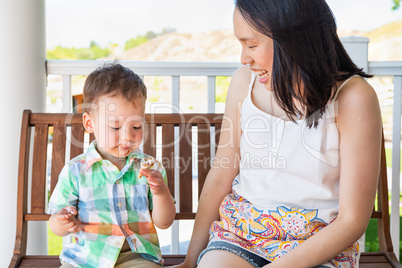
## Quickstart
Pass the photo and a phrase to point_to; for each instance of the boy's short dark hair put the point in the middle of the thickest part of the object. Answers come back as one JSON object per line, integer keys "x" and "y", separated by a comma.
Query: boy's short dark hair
{"x": 113, "y": 79}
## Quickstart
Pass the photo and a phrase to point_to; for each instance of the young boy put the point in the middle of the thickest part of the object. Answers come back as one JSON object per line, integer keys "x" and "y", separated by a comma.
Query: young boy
{"x": 103, "y": 197}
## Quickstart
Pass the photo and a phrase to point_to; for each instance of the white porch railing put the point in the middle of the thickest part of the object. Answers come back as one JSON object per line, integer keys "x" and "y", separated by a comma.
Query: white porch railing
{"x": 212, "y": 69}
{"x": 173, "y": 69}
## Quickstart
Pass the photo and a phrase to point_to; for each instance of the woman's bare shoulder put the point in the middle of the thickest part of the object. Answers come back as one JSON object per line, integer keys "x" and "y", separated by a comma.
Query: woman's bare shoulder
{"x": 239, "y": 84}
{"x": 357, "y": 92}
{"x": 357, "y": 101}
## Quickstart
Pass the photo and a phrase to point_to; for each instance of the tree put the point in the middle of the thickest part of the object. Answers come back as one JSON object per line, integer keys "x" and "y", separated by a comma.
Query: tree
{"x": 133, "y": 42}
{"x": 71, "y": 53}
{"x": 397, "y": 4}
{"x": 150, "y": 35}
{"x": 141, "y": 39}
{"x": 168, "y": 30}
{"x": 93, "y": 44}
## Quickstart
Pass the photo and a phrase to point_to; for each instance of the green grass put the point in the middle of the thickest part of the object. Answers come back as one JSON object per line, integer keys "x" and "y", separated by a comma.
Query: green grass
{"x": 54, "y": 243}
{"x": 372, "y": 238}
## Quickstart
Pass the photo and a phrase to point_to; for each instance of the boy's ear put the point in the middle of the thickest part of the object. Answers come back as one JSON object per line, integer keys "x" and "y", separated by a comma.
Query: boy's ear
{"x": 87, "y": 120}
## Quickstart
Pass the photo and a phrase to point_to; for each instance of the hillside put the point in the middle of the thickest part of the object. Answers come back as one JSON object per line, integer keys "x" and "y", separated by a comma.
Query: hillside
{"x": 387, "y": 31}
{"x": 386, "y": 42}
{"x": 221, "y": 45}
{"x": 218, "y": 45}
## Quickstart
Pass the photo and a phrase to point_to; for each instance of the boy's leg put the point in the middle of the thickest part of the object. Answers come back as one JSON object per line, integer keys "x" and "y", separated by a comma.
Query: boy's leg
{"x": 222, "y": 258}
{"x": 130, "y": 259}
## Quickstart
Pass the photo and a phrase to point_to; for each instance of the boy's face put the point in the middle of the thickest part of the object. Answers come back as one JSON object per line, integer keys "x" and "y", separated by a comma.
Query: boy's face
{"x": 117, "y": 125}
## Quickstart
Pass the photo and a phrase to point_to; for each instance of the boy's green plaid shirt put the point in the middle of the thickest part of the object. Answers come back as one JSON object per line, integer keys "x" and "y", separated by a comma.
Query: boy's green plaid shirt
{"x": 113, "y": 206}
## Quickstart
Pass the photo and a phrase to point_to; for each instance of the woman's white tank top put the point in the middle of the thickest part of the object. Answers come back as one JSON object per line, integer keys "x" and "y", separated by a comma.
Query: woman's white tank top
{"x": 288, "y": 164}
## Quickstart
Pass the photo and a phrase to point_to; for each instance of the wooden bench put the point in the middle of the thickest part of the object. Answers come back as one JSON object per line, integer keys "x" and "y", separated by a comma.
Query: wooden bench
{"x": 202, "y": 128}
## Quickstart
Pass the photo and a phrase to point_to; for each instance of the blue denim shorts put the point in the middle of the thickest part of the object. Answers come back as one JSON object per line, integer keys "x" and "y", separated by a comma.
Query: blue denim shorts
{"x": 250, "y": 257}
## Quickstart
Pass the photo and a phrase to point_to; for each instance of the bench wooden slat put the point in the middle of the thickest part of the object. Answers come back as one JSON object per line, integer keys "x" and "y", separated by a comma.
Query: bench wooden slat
{"x": 378, "y": 259}
{"x": 51, "y": 118}
{"x": 150, "y": 140}
{"x": 173, "y": 259}
{"x": 204, "y": 154}
{"x": 91, "y": 137}
{"x": 367, "y": 257}
{"x": 186, "y": 169}
{"x": 376, "y": 215}
{"x": 22, "y": 194}
{"x": 217, "y": 135}
{"x": 384, "y": 234}
{"x": 168, "y": 154}
{"x": 58, "y": 153}
{"x": 36, "y": 217}
{"x": 40, "y": 261}
{"x": 176, "y": 119}
{"x": 39, "y": 169}
{"x": 77, "y": 140}
{"x": 185, "y": 216}
{"x": 375, "y": 265}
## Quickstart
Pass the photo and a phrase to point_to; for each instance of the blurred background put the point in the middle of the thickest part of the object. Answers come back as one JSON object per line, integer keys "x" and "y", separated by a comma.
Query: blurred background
{"x": 195, "y": 31}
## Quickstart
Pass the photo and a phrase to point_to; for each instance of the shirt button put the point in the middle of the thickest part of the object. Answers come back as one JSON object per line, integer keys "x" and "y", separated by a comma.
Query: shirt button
{"x": 116, "y": 244}
{"x": 118, "y": 181}
{"x": 119, "y": 204}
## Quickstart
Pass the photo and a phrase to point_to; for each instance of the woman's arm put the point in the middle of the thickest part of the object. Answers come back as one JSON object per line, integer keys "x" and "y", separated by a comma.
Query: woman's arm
{"x": 359, "y": 124}
{"x": 224, "y": 168}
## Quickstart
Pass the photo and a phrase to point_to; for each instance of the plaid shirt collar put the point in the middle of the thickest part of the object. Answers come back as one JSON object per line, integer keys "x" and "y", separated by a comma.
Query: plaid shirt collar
{"x": 93, "y": 156}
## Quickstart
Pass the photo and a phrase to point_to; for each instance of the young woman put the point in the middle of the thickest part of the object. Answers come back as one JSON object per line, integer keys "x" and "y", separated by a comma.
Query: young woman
{"x": 302, "y": 134}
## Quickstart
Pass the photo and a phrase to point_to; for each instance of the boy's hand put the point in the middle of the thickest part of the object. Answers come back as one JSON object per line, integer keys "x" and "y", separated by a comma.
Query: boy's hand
{"x": 155, "y": 180}
{"x": 66, "y": 219}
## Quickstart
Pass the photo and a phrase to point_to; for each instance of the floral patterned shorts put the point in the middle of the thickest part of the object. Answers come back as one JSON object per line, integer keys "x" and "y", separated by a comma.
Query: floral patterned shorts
{"x": 271, "y": 234}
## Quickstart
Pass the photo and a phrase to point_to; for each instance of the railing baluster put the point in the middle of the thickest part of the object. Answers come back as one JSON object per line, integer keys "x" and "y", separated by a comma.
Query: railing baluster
{"x": 66, "y": 94}
{"x": 175, "y": 93}
{"x": 211, "y": 94}
{"x": 175, "y": 247}
{"x": 396, "y": 150}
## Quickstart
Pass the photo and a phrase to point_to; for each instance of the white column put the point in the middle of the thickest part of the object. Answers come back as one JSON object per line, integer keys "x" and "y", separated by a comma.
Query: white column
{"x": 23, "y": 86}
{"x": 396, "y": 158}
{"x": 357, "y": 48}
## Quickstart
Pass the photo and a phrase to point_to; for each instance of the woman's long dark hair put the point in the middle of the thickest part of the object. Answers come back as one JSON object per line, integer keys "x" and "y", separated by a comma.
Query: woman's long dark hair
{"x": 309, "y": 59}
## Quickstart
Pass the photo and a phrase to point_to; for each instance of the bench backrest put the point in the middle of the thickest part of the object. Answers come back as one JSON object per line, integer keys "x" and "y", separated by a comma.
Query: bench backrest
{"x": 180, "y": 140}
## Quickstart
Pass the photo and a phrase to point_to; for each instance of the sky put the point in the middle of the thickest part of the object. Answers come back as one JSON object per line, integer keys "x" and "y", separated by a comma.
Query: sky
{"x": 77, "y": 22}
